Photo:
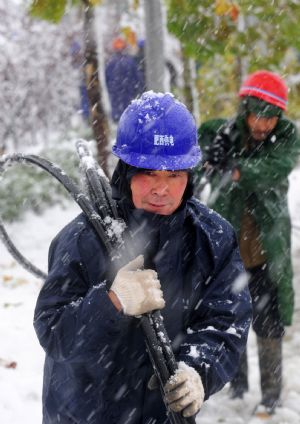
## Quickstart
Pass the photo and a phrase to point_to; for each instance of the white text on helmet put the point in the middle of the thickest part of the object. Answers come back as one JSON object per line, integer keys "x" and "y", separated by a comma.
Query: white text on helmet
{"x": 163, "y": 140}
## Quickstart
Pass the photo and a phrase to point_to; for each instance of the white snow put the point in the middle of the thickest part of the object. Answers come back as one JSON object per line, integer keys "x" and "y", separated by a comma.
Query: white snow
{"x": 240, "y": 282}
{"x": 21, "y": 387}
{"x": 193, "y": 352}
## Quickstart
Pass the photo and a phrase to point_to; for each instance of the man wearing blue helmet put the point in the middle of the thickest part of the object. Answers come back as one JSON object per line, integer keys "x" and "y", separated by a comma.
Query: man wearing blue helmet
{"x": 179, "y": 257}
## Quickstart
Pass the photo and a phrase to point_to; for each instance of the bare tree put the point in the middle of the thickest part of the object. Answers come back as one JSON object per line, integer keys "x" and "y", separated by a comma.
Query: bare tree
{"x": 97, "y": 114}
{"x": 38, "y": 85}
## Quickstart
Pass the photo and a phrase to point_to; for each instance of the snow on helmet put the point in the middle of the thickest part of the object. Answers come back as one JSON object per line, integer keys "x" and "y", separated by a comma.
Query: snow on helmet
{"x": 157, "y": 132}
{"x": 267, "y": 86}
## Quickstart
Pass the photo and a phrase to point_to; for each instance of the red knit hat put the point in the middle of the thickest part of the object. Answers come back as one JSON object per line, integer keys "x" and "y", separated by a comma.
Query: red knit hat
{"x": 267, "y": 86}
{"x": 118, "y": 44}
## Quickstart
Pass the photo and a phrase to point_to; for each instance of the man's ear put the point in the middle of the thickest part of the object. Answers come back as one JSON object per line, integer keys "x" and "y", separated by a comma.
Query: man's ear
{"x": 189, "y": 190}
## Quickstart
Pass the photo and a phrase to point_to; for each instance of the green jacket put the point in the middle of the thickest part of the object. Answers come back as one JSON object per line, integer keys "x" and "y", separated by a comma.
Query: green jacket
{"x": 263, "y": 183}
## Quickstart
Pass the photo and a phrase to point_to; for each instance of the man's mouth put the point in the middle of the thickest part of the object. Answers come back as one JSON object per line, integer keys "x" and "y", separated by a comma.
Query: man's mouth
{"x": 259, "y": 135}
{"x": 157, "y": 205}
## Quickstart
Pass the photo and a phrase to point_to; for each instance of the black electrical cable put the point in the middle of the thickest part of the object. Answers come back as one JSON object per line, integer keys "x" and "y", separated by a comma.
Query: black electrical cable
{"x": 97, "y": 183}
{"x": 80, "y": 198}
{"x": 18, "y": 256}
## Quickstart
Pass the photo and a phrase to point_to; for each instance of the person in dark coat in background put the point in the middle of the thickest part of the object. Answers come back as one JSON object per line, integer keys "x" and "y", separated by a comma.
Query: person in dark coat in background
{"x": 249, "y": 159}
{"x": 78, "y": 59}
{"x": 140, "y": 58}
{"x": 178, "y": 256}
{"x": 122, "y": 78}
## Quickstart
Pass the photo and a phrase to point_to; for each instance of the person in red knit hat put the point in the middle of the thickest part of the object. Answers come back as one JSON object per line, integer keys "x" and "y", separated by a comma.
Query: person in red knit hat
{"x": 266, "y": 86}
{"x": 248, "y": 159}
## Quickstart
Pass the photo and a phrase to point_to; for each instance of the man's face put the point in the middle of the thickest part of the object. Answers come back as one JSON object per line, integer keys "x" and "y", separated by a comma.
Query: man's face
{"x": 158, "y": 191}
{"x": 260, "y": 128}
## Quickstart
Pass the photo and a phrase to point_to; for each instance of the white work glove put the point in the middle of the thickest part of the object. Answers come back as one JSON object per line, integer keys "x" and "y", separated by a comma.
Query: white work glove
{"x": 137, "y": 289}
{"x": 184, "y": 391}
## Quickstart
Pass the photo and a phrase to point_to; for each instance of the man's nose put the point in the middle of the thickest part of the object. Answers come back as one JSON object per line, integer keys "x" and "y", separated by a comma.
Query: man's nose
{"x": 160, "y": 188}
{"x": 263, "y": 124}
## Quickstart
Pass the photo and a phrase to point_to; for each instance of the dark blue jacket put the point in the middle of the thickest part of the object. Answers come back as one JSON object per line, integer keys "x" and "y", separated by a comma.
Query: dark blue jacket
{"x": 97, "y": 368}
{"x": 123, "y": 82}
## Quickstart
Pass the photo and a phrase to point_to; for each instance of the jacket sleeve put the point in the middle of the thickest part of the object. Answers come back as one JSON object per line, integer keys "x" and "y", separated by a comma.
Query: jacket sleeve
{"x": 218, "y": 328}
{"x": 206, "y": 135}
{"x": 263, "y": 171}
{"x": 74, "y": 317}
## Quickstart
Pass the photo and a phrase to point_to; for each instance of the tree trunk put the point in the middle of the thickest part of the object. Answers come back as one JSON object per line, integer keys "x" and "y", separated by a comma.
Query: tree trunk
{"x": 189, "y": 89}
{"x": 98, "y": 118}
{"x": 154, "y": 46}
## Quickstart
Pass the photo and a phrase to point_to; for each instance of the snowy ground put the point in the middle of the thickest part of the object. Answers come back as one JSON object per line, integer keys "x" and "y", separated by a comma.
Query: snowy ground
{"x": 21, "y": 383}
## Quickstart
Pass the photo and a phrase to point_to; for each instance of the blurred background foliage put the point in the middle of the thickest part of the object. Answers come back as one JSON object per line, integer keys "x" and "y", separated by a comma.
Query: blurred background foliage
{"x": 54, "y": 10}
{"x": 229, "y": 39}
{"x": 20, "y": 192}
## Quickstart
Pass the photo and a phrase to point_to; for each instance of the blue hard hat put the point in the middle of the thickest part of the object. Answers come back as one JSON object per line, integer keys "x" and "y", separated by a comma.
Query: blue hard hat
{"x": 157, "y": 132}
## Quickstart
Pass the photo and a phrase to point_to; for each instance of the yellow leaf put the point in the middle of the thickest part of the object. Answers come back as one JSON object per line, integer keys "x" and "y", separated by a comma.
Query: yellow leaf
{"x": 95, "y": 2}
{"x": 136, "y": 4}
{"x": 223, "y": 7}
